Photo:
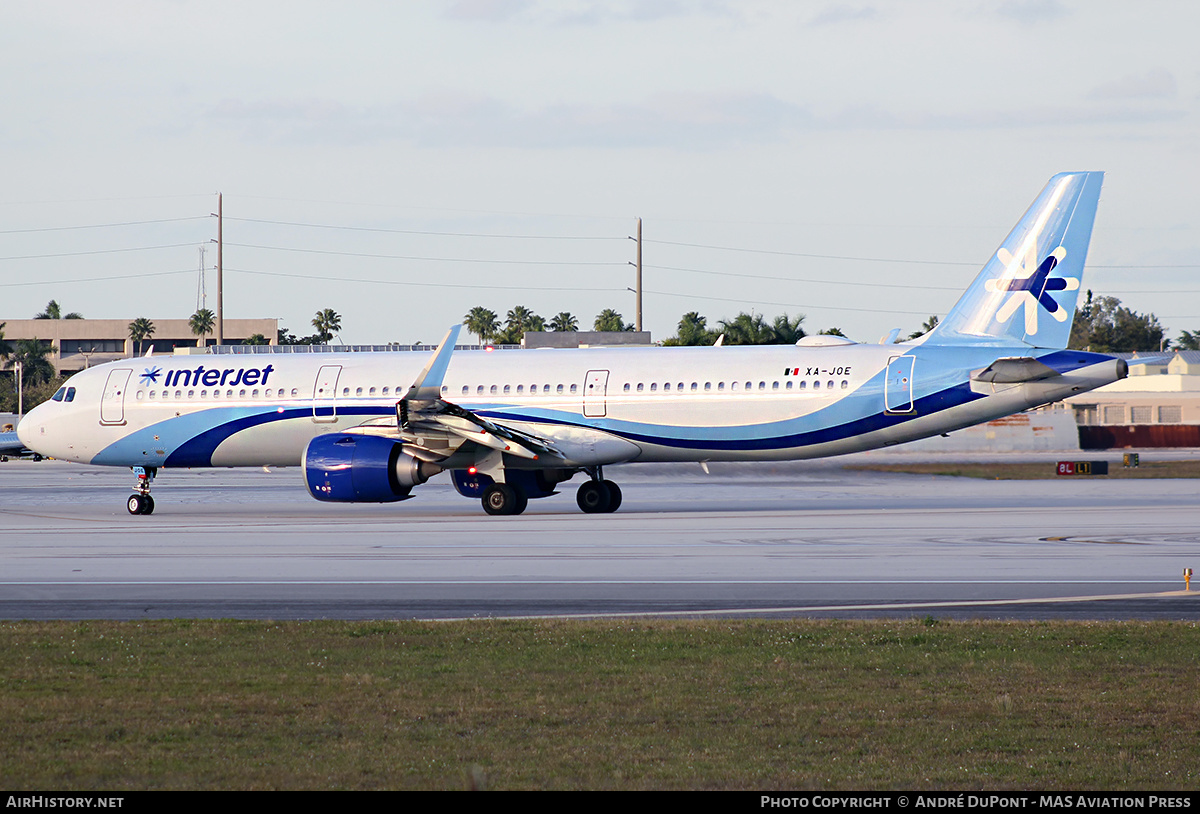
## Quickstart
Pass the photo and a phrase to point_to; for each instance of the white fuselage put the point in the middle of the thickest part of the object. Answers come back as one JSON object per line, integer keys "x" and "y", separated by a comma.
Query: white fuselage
{"x": 598, "y": 405}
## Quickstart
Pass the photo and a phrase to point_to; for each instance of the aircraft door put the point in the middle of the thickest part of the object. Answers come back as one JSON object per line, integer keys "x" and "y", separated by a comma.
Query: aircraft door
{"x": 898, "y": 386}
{"x": 595, "y": 390}
{"x": 112, "y": 404}
{"x": 325, "y": 394}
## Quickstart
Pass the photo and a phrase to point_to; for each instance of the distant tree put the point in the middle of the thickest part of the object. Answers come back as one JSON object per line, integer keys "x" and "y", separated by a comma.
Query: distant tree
{"x": 519, "y": 320}
{"x": 610, "y": 320}
{"x": 747, "y": 329}
{"x": 832, "y": 332}
{"x": 564, "y": 321}
{"x": 926, "y": 326}
{"x": 327, "y": 322}
{"x": 482, "y": 322}
{"x": 1103, "y": 325}
{"x": 692, "y": 330}
{"x": 5, "y": 347}
{"x": 787, "y": 329}
{"x": 34, "y": 394}
{"x": 202, "y": 323}
{"x": 140, "y": 330}
{"x": 54, "y": 311}
{"x": 1186, "y": 340}
{"x": 255, "y": 339}
{"x": 286, "y": 337}
{"x": 32, "y": 355}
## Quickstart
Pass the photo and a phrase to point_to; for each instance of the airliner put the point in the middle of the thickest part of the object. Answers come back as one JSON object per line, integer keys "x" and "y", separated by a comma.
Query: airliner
{"x": 512, "y": 425}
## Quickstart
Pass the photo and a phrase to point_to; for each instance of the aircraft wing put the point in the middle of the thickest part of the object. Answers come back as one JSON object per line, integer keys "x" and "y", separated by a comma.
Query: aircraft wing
{"x": 435, "y": 430}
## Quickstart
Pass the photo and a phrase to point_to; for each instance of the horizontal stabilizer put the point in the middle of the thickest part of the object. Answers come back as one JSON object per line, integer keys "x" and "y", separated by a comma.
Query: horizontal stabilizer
{"x": 1013, "y": 370}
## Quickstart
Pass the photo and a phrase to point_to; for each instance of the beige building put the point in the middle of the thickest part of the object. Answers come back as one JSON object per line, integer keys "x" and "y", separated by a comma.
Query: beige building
{"x": 80, "y": 343}
{"x": 1156, "y": 405}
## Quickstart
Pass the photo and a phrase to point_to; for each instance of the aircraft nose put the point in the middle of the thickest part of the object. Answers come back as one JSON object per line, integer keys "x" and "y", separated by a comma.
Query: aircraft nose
{"x": 29, "y": 428}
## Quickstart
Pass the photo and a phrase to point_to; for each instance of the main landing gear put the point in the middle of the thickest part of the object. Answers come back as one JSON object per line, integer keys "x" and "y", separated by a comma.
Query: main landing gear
{"x": 595, "y": 496}
{"x": 598, "y": 496}
{"x": 141, "y": 502}
{"x": 500, "y": 498}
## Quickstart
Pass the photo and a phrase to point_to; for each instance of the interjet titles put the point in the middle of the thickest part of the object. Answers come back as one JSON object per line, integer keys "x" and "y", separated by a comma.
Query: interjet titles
{"x": 199, "y": 376}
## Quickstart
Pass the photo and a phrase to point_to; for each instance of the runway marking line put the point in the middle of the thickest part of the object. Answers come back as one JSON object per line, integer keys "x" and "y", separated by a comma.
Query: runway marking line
{"x": 841, "y": 608}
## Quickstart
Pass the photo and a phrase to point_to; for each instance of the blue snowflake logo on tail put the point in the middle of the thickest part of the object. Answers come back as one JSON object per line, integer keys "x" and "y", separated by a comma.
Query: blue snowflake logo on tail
{"x": 1030, "y": 285}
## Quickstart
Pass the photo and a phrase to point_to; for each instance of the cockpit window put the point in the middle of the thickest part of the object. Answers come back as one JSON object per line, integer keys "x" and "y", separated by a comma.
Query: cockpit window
{"x": 62, "y": 391}
{"x": 70, "y": 395}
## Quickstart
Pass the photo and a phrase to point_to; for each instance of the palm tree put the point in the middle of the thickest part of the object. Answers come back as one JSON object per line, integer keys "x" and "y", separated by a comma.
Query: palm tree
{"x": 54, "y": 311}
{"x": 327, "y": 322}
{"x": 693, "y": 330}
{"x": 202, "y": 323}
{"x": 255, "y": 339}
{"x": 31, "y": 354}
{"x": 609, "y": 320}
{"x": 140, "y": 330}
{"x": 787, "y": 330}
{"x": 564, "y": 321}
{"x": 5, "y": 347}
{"x": 927, "y": 326}
{"x": 483, "y": 323}
{"x": 747, "y": 329}
{"x": 519, "y": 320}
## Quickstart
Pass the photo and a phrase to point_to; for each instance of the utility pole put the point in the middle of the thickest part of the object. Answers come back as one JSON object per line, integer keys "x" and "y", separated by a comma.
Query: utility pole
{"x": 20, "y": 368}
{"x": 202, "y": 284}
{"x": 220, "y": 274}
{"x": 637, "y": 320}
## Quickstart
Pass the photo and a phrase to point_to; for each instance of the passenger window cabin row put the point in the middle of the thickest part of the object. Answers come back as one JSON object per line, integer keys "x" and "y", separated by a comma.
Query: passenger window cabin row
{"x": 491, "y": 390}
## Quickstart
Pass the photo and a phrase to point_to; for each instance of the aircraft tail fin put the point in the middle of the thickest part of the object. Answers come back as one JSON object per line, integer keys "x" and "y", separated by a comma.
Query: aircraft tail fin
{"x": 1027, "y": 291}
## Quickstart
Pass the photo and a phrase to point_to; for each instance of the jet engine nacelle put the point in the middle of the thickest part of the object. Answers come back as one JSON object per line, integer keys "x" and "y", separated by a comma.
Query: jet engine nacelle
{"x": 533, "y": 484}
{"x": 347, "y": 468}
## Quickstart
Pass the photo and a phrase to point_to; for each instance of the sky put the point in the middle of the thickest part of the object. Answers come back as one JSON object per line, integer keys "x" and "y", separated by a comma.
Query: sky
{"x": 401, "y": 163}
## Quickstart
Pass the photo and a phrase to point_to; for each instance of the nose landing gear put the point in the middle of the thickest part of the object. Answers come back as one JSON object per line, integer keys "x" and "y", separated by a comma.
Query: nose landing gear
{"x": 141, "y": 502}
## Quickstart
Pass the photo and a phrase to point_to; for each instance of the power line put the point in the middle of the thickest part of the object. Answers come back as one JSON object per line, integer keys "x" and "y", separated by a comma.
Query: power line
{"x": 98, "y": 251}
{"x": 789, "y": 305}
{"x": 808, "y": 280}
{"x": 101, "y": 225}
{"x": 812, "y": 256}
{"x": 98, "y": 279}
{"x": 425, "y": 259}
{"x": 892, "y": 259}
{"x": 419, "y": 284}
{"x": 422, "y": 232}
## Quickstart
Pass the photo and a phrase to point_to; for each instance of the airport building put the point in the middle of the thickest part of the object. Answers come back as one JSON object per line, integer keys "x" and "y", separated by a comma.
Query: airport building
{"x": 79, "y": 343}
{"x": 1157, "y": 405}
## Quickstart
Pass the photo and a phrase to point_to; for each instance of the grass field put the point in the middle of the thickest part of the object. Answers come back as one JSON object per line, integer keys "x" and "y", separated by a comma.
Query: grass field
{"x": 599, "y": 705}
{"x": 1038, "y": 471}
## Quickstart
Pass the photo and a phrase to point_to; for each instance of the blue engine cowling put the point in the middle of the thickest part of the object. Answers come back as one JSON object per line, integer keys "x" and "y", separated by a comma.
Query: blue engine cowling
{"x": 347, "y": 468}
{"x": 533, "y": 483}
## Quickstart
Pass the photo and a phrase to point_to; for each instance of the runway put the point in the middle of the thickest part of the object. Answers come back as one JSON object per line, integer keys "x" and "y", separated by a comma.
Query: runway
{"x": 800, "y": 539}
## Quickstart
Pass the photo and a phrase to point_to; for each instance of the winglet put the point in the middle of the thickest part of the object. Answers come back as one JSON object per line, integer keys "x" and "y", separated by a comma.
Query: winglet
{"x": 428, "y": 386}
